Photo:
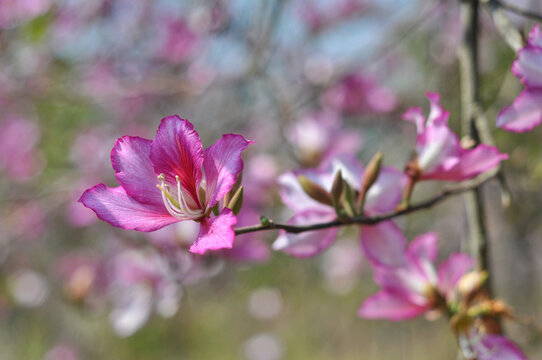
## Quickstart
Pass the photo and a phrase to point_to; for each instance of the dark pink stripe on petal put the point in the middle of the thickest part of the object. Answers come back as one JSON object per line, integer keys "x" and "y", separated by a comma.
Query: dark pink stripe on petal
{"x": 177, "y": 150}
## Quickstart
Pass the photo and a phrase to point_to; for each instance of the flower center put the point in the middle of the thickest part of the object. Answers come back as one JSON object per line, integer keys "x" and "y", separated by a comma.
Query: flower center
{"x": 177, "y": 204}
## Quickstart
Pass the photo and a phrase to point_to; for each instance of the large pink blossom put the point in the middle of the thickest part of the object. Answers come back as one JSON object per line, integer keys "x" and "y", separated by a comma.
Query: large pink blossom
{"x": 382, "y": 197}
{"x": 170, "y": 179}
{"x": 525, "y": 113}
{"x": 439, "y": 154}
{"x": 408, "y": 278}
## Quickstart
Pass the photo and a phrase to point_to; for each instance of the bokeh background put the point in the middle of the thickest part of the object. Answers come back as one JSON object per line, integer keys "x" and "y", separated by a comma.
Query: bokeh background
{"x": 302, "y": 78}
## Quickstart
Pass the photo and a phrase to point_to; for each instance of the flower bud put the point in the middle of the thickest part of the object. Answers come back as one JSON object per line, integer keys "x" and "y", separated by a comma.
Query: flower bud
{"x": 236, "y": 201}
{"x": 372, "y": 171}
{"x": 315, "y": 191}
{"x": 471, "y": 282}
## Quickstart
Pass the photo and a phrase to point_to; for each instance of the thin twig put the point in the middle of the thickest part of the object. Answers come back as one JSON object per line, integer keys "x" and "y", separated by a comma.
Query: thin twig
{"x": 371, "y": 220}
{"x": 519, "y": 11}
{"x": 510, "y": 34}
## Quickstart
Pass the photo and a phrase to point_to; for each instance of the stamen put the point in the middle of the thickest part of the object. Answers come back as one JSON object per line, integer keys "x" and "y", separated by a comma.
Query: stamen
{"x": 178, "y": 208}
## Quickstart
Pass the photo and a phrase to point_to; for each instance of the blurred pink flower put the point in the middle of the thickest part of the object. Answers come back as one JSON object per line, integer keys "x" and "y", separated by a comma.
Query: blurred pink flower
{"x": 14, "y": 12}
{"x": 382, "y": 197}
{"x": 319, "y": 134}
{"x": 526, "y": 111}
{"x": 357, "y": 94}
{"x": 177, "y": 157}
{"x": 179, "y": 41}
{"x": 440, "y": 155}
{"x": 318, "y": 17}
{"x": 491, "y": 347}
{"x": 20, "y": 160}
{"x": 407, "y": 275}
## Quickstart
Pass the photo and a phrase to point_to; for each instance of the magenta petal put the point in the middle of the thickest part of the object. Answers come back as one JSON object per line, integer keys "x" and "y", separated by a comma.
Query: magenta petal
{"x": 415, "y": 115}
{"x": 528, "y": 66}
{"x": 452, "y": 269}
{"x": 222, "y": 164}
{"x": 177, "y": 151}
{"x": 497, "y": 347}
{"x": 524, "y": 114}
{"x": 384, "y": 244}
{"x": 424, "y": 247}
{"x": 386, "y": 192}
{"x": 437, "y": 115}
{"x": 387, "y": 305}
{"x": 131, "y": 161}
{"x": 114, "y": 206}
{"x": 309, "y": 243}
{"x": 215, "y": 233}
{"x": 478, "y": 160}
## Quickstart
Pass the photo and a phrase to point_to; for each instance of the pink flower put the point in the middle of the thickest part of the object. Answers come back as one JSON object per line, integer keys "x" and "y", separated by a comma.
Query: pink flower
{"x": 410, "y": 283}
{"x": 179, "y": 41}
{"x": 526, "y": 111}
{"x": 162, "y": 182}
{"x": 320, "y": 134}
{"x": 439, "y": 153}
{"x": 357, "y": 94}
{"x": 382, "y": 197}
{"x": 490, "y": 347}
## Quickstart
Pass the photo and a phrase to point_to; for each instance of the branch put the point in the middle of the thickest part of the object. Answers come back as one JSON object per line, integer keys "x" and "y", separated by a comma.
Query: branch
{"x": 519, "y": 11}
{"x": 474, "y": 126}
{"x": 506, "y": 29}
{"x": 371, "y": 220}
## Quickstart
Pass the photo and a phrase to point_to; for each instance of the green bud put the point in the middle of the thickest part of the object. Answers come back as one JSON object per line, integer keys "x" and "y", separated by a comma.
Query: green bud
{"x": 369, "y": 178}
{"x": 315, "y": 191}
{"x": 236, "y": 201}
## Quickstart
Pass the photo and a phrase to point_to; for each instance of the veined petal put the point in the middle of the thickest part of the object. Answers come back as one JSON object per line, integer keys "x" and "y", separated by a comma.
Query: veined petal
{"x": 222, "y": 164}
{"x": 309, "y": 243}
{"x": 524, "y": 114}
{"x": 384, "y": 244}
{"x": 131, "y": 161}
{"x": 386, "y": 305}
{"x": 116, "y": 207}
{"x": 177, "y": 151}
{"x": 215, "y": 233}
{"x": 451, "y": 270}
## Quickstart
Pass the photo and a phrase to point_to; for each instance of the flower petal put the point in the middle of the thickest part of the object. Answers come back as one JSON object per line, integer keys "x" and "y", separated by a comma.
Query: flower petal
{"x": 437, "y": 115}
{"x": 528, "y": 66}
{"x": 309, "y": 243}
{"x": 415, "y": 115}
{"x": 177, "y": 151}
{"x": 222, "y": 164}
{"x": 524, "y": 114}
{"x": 386, "y": 192}
{"x": 384, "y": 244}
{"x": 424, "y": 247}
{"x": 215, "y": 233}
{"x": 114, "y": 206}
{"x": 497, "y": 347}
{"x": 131, "y": 161}
{"x": 386, "y": 305}
{"x": 476, "y": 161}
{"x": 451, "y": 270}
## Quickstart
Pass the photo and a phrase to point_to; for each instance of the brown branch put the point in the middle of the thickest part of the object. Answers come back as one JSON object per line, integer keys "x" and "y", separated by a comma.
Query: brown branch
{"x": 519, "y": 11}
{"x": 371, "y": 220}
{"x": 510, "y": 34}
